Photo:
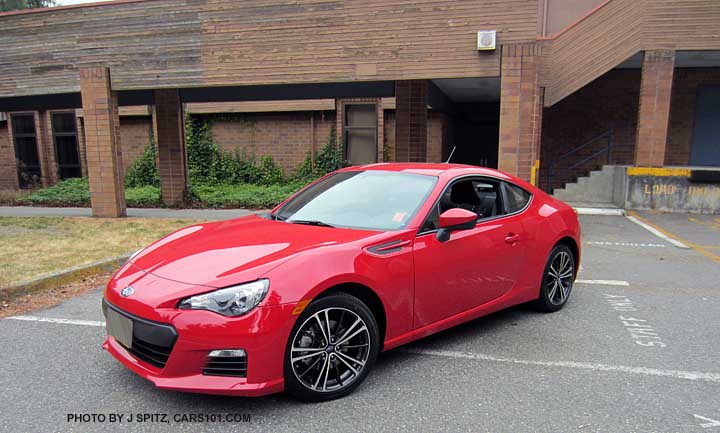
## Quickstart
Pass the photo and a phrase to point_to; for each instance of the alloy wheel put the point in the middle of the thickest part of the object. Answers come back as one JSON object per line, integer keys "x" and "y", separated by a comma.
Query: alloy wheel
{"x": 330, "y": 349}
{"x": 560, "y": 278}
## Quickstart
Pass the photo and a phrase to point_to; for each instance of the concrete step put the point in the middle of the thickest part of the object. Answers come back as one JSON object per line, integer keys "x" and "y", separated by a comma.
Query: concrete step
{"x": 596, "y": 187}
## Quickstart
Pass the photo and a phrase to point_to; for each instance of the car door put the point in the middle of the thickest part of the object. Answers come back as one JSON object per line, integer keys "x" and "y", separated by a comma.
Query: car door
{"x": 474, "y": 266}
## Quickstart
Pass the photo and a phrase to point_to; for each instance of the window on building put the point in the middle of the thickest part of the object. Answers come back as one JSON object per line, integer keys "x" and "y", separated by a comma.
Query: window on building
{"x": 360, "y": 133}
{"x": 26, "y": 151}
{"x": 67, "y": 152}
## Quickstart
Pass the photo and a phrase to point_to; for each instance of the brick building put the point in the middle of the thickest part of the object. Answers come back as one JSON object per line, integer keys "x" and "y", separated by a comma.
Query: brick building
{"x": 544, "y": 89}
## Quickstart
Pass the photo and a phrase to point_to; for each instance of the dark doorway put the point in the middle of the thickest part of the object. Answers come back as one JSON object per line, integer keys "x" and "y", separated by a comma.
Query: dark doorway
{"x": 477, "y": 127}
{"x": 26, "y": 151}
{"x": 67, "y": 152}
{"x": 706, "y": 133}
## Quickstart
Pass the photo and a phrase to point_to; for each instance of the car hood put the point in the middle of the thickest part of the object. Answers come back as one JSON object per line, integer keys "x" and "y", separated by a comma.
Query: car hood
{"x": 220, "y": 254}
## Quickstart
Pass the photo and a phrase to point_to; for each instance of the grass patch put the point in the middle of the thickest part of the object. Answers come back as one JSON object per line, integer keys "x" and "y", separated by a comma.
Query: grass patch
{"x": 34, "y": 246}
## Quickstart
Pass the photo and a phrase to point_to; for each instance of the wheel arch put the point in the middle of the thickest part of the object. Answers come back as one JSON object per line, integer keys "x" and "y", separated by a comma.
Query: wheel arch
{"x": 368, "y": 297}
{"x": 571, "y": 243}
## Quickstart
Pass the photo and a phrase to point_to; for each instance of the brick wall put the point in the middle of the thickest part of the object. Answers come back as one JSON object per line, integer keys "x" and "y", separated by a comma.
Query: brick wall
{"x": 134, "y": 137}
{"x": 435, "y": 136}
{"x": 287, "y": 137}
{"x": 411, "y": 120}
{"x": 654, "y": 110}
{"x": 521, "y": 109}
{"x": 439, "y": 134}
{"x": 102, "y": 142}
{"x": 682, "y": 111}
{"x": 171, "y": 149}
{"x": 8, "y": 170}
{"x": 608, "y": 103}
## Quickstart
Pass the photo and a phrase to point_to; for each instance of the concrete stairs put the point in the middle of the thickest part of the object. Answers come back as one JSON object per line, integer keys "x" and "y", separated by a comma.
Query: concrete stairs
{"x": 598, "y": 189}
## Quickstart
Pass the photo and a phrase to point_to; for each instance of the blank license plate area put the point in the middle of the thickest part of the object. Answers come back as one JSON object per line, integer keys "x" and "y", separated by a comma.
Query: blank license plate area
{"x": 120, "y": 328}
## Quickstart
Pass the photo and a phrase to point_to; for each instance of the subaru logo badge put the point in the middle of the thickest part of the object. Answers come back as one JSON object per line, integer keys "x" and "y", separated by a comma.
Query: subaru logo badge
{"x": 127, "y": 291}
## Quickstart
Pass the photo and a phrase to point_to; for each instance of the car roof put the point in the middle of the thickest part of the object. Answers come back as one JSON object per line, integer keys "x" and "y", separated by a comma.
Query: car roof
{"x": 431, "y": 169}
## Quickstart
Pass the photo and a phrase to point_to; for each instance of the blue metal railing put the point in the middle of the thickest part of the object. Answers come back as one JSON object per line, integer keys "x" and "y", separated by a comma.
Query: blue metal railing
{"x": 553, "y": 167}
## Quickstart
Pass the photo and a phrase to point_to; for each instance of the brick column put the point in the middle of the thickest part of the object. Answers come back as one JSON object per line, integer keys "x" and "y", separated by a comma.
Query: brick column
{"x": 102, "y": 142}
{"x": 654, "y": 108}
{"x": 170, "y": 138}
{"x": 521, "y": 105}
{"x": 411, "y": 120}
{"x": 8, "y": 165}
{"x": 80, "y": 122}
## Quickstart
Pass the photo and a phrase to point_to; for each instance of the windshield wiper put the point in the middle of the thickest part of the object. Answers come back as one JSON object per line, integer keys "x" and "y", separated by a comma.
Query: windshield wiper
{"x": 311, "y": 223}
{"x": 276, "y": 217}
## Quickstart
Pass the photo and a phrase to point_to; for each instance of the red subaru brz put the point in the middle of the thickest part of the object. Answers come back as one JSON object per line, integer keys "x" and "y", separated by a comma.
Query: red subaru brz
{"x": 365, "y": 259}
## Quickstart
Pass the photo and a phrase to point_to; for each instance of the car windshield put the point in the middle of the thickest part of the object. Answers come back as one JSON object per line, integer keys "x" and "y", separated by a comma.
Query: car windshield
{"x": 373, "y": 200}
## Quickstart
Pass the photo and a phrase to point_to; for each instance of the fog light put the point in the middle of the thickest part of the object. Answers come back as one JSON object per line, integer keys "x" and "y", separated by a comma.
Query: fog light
{"x": 227, "y": 353}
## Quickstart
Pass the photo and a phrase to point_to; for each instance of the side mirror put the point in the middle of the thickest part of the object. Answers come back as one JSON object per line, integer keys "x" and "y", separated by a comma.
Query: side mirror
{"x": 455, "y": 219}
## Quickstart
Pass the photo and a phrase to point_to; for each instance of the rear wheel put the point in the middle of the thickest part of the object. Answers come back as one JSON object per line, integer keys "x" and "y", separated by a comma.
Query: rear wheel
{"x": 331, "y": 349}
{"x": 558, "y": 279}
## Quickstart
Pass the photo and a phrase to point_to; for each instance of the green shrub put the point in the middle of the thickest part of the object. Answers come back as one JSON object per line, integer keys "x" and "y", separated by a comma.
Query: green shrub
{"x": 305, "y": 172}
{"x": 202, "y": 152}
{"x": 269, "y": 172}
{"x": 243, "y": 195}
{"x": 69, "y": 192}
{"x": 143, "y": 196}
{"x": 143, "y": 170}
{"x": 330, "y": 157}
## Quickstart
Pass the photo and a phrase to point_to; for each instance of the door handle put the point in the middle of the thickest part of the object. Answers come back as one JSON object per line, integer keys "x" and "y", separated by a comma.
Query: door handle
{"x": 511, "y": 238}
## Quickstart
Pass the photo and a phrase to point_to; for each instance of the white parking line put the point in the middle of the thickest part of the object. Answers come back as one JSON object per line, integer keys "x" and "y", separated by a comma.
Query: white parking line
{"x": 657, "y": 233}
{"x": 605, "y": 282}
{"x": 677, "y": 374}
{"x": 626, "y": 244}
{"x": 55, "y": 320}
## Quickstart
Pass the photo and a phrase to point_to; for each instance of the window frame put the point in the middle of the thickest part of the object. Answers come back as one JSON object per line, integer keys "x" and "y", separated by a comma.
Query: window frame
{"x": 34, "y": 135}
{"x": 479, "y": 177}
{"x": 347, "y": 128}
{"x": 55, "y": 135}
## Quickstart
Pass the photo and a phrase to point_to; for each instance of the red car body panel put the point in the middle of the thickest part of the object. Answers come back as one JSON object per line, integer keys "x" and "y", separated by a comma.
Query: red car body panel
{"x": 497, "y": 264}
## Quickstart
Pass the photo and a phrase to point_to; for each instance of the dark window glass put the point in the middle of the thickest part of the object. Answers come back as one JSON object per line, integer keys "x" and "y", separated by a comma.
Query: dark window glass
{"x": 360, "y": 132}
{"x": 67, "y": 152}
{"x": 26, "y": 152}
{"x": 23, "y": 124}
{"x": 373, "y": 200}
{"x": 517, "y": 197}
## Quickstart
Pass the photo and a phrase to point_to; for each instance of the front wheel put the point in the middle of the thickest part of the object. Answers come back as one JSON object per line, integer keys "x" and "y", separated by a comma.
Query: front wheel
{"x": 558, "y": 278}
{"x": 331, "y": 348}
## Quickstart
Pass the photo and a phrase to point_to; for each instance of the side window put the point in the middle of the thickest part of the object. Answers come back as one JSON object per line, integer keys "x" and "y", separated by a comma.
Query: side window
{"x": 517, "y": 198}
{"x": 479, "y": 195}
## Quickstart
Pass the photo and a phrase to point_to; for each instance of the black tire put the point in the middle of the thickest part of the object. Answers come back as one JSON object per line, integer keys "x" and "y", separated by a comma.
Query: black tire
{"x": 550, "y": 299}
{"x": 306, "y": 339}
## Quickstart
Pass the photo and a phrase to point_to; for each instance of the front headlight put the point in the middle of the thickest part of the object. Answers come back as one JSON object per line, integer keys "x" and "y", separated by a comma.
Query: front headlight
{"x": 230, "y": 301}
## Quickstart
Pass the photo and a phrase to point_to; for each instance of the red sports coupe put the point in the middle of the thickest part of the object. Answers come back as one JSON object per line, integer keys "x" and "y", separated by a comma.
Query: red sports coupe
{"x": 365, "y": 259}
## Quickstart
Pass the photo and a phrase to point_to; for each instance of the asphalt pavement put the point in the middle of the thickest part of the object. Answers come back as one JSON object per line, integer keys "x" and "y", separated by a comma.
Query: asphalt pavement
{"x": 635, "y": 349}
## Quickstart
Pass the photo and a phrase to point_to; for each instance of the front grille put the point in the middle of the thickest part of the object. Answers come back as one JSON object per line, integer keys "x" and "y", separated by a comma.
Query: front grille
{"x": 152, "y": 342}
{"x": 151, "y": 353}
{"x": 226, "y": 366}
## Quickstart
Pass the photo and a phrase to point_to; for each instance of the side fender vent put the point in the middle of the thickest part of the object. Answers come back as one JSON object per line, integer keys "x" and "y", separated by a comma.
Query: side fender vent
{"x": 388, "y": 247}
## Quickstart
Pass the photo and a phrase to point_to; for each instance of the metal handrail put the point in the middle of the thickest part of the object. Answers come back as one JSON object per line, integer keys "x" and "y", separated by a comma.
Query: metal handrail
{"x": 553, "y": 165}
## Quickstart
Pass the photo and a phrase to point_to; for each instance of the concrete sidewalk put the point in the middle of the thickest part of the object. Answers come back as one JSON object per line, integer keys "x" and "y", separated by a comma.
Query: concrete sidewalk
{"x": 203, "y": 214}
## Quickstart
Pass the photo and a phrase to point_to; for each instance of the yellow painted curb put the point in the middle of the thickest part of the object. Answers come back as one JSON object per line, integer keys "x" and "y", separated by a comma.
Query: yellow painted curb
{"x": 658, "y": 171}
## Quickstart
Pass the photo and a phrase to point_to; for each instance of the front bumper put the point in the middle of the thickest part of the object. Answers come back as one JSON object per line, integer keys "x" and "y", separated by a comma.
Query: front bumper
{"x": 262, "y": 333}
